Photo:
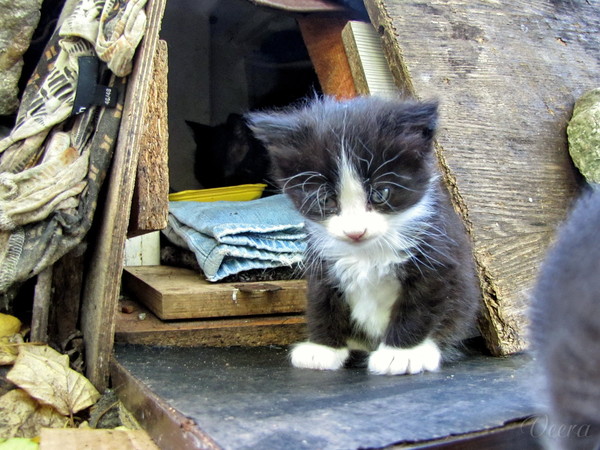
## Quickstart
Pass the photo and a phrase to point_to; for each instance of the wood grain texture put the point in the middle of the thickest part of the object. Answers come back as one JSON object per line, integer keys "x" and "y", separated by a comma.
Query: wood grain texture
{"x": 323, "y": 39}
{"x": 150, "y": 204}
{"x": 67, "y": 279}
{"x": 140, "y": 326}
{"x": 167, "y": 426}
{"x": 507, "y": 75}
{"x": 302, "y": 6}
{"x": 103, "y": 279}
{"x": 72, "y": 438}
{"x": 177, "y": 293}
{"x": 41, "y": 306}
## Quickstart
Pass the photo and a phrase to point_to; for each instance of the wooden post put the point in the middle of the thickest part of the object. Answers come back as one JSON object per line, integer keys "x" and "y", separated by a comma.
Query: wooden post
{"x": 41, "y": 306}
{"x": 103, "y": 279}
{"x": 323, "y": 39}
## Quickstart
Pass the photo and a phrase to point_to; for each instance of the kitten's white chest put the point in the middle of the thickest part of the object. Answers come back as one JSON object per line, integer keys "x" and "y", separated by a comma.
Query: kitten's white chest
{"x": 371, "y": 292}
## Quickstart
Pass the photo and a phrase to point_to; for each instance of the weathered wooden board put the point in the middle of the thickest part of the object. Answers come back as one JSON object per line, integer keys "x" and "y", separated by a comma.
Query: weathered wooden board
{"x": 65, "y": 302}
{"x": 301, "y": 6}
{"x": 72, "y": 438}
{"x": 150, "y": 204}
{"x": 137, "y": 325}
{"x": 507, "y": 75}
{"x": 103, "y": 279}
{"x": 167, "y": 426}
{"x": 323, "y": 39}
{"x": 177, "y": 293}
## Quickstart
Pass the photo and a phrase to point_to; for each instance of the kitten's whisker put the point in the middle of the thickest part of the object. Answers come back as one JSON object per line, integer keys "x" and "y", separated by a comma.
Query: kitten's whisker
{"x": 301, "y": 185}
{"x": 387, "y": 161}
{"x": 308, "y": 174}
{"x": 370, "y": 162}
{"x": 398, "y": 185}
{"x": 397, "y": 175}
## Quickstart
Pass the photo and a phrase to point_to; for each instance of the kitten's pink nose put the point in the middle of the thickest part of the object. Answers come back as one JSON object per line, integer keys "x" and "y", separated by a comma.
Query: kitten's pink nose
{"x": 355, "y": 235}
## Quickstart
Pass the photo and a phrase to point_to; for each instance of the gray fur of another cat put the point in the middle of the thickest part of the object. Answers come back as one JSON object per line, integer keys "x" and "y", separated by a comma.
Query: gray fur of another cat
{"x": 565, "y": 331}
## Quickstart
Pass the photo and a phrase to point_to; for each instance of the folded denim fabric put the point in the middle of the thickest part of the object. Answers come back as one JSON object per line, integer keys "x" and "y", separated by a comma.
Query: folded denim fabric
{"x": 231, "y": 237}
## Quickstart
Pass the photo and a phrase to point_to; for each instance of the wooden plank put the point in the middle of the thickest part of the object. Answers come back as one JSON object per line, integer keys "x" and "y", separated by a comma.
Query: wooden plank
{"x": 301, "y": 6}
{"x": 76, "y": 438}
{"x": 368, "y": 65}
{"x": 323, "y": 38}
{"x": 520, "y": 434}
{"x": 137, "y": 325}
{"x": 167, "y": 426}
{"x": 178, "y": 293}
{"x": 507, "y": 75}
{"x": 103, "y": 279}
{"x": 67, "y": 279}
{"x": 41, "y": 306}
{"x": 150, "y": 204}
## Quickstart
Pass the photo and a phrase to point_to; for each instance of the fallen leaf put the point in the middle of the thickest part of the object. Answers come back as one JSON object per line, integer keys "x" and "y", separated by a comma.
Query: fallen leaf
{"x": 43, "y": 351}
{"x": 48, "y": 378}
{"x": 9, "y": 348}
{"x": 15, "y": 408}
{"x": 9, "y": 325}
{"x": 19, "y": 444}
{"x": 22, "y": 416}
{"x": 44, "y": 417}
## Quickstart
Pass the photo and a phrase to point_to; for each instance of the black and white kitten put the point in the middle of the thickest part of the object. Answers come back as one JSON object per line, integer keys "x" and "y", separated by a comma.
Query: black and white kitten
{"x": 389, "y": 265}
{"x": 565, "y": 330}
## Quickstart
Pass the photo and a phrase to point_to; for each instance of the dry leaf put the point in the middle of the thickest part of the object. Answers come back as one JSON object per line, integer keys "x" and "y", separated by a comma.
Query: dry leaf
{"x": 15, "y": 408}
{"x": 45, "y": 377}
{"x": 9, "y": 339}
{"x": 19, "y": 444}
{"x": 22, "y": 416}
{"x": 44, "y": 417}
{"x": 9, "y": 325}
{"x": 49, "y": 353}
{"x": 9, "y": 348}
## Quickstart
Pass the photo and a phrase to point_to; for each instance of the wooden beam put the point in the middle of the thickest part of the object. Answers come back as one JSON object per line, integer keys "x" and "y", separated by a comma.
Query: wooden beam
{"x": 137, "y": 325}
{"x": 67, "y": 280}
{"x": 323, "y": 39}
{"x": 301, "y": 6}
{"x": 507, "y": 75}
{"x": 103, "y": 279}
{"x": 41, "y": 306}
{"x": 150, "y": 205}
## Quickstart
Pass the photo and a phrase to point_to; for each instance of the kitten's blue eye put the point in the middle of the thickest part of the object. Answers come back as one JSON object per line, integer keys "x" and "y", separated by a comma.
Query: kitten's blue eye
{"x": 380, "y": 196}
{"x": 327, "y": 202}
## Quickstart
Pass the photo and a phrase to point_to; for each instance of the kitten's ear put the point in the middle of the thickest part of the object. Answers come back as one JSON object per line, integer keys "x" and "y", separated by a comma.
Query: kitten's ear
{"x": 425, "y": 118}
{"x": 282, "y": 134}
{"x": 418, "y": 119}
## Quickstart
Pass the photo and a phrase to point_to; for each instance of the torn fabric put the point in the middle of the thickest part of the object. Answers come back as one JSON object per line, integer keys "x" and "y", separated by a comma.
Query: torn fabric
{"x": 53, "y": 163}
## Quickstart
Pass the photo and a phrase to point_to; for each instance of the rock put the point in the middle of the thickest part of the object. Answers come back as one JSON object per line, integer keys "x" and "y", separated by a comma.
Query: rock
{"x": 583, "y": 134}
{"x": 18, "y": 21}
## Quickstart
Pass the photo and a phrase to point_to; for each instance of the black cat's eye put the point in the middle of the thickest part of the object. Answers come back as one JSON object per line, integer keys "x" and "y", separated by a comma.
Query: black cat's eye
{"x": 380, "y": 196}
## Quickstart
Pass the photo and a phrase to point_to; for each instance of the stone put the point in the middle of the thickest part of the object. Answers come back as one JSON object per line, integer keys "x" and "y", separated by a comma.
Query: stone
{"x": 18, "y": 21}
{"x": 583, "y": 134}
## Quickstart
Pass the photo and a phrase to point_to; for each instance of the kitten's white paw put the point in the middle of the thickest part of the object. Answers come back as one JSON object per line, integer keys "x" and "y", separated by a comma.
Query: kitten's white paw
{"x": 398, "y": 361}
{"x": 308, "y": 355}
